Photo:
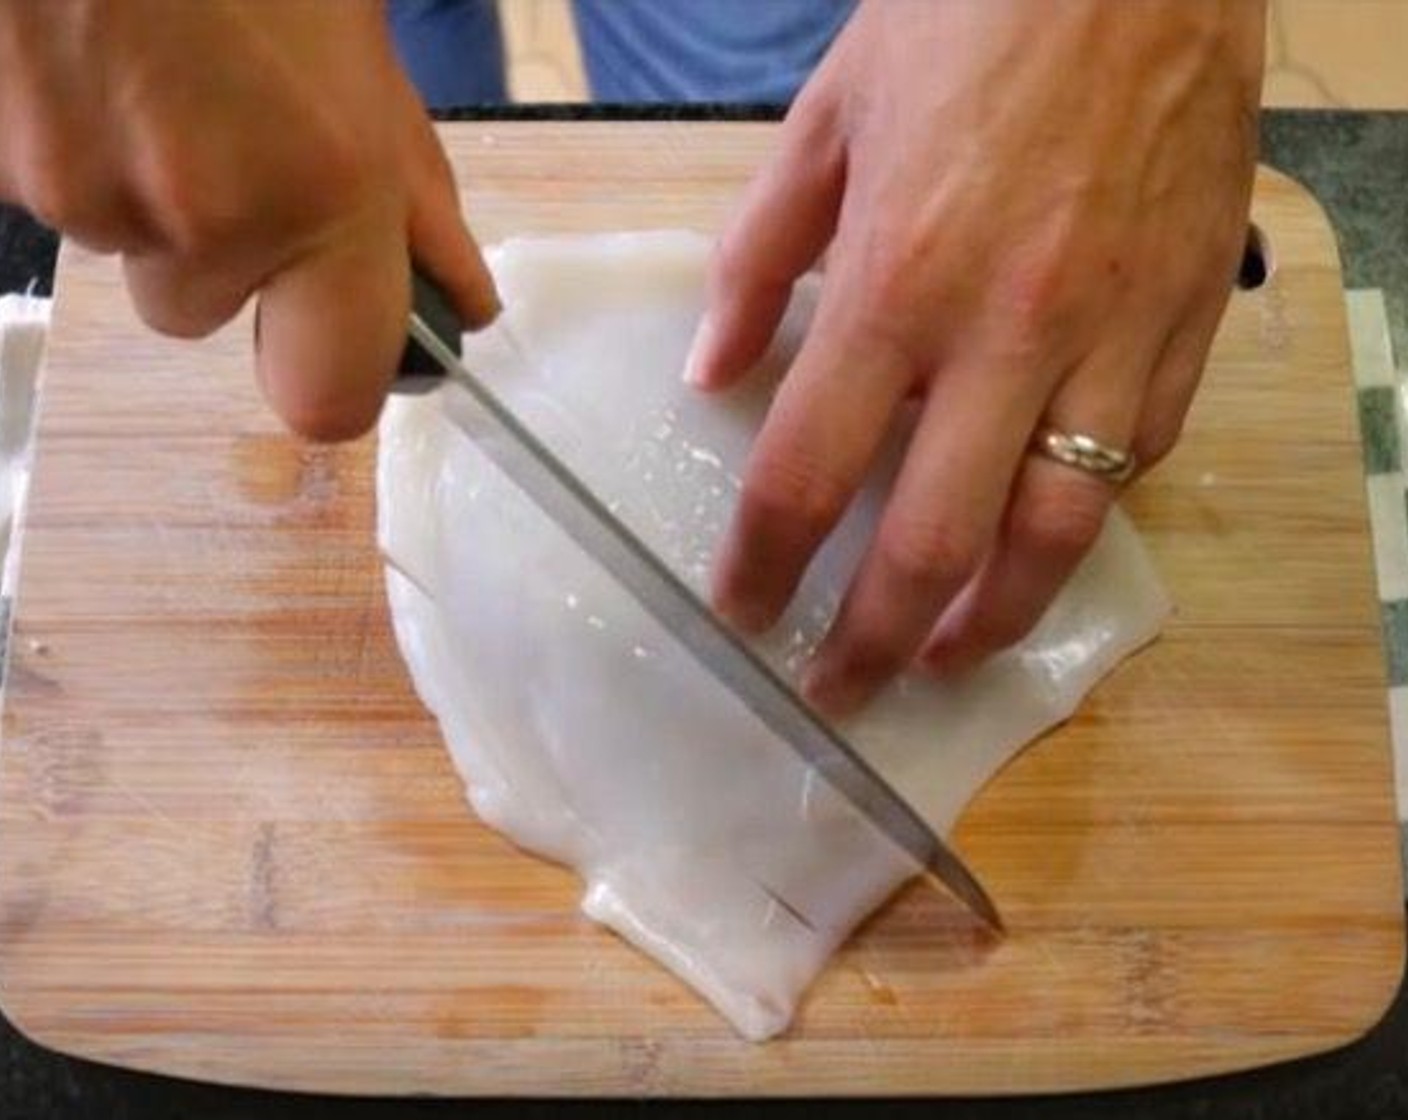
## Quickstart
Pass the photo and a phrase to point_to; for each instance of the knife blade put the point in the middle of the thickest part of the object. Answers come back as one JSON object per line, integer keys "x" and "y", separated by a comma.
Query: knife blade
{"x": 431, "y": 358}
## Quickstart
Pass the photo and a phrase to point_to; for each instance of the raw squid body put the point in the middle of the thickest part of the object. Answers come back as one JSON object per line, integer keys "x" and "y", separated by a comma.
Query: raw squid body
{"x": 584, "y": 732}
{"x": 24, "y": 325}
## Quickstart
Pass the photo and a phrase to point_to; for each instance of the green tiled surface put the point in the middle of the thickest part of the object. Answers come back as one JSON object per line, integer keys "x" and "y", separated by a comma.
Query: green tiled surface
{"x": 1379, "y": 427}
{"x": 1395, "y": 619}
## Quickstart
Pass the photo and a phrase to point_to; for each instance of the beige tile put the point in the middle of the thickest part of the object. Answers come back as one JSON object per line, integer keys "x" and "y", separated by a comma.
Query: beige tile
{"x": 1320, "y": 53}
{"x": 1344, "y": 53}
{"x": 545, "y": 63}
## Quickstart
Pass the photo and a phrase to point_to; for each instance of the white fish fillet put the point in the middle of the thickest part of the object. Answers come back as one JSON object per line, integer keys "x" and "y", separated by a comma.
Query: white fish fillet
{"x": 584, "y": 732}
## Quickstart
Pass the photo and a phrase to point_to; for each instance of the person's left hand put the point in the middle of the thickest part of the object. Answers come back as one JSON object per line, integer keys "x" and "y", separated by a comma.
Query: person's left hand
{"x": 1035, "y": 213}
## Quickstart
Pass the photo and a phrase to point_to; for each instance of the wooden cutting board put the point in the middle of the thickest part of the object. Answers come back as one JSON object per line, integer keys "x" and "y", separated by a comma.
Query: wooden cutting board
{"x": 232, "y": 847}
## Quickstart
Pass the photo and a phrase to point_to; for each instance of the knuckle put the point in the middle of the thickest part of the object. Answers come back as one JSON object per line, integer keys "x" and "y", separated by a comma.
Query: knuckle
{"x": 189, "y": 208}
{"x": 344, "y": 181}
{"x": 928, "y": 552}
{"x": 898, "y": 261}
{"x": 1045, "y": 282}
{"x": 732, "y": 265}
{"x": 1036, "y": 293}
{"x": 1067, "y": 523}
{"x": 63, "y": 199}
{"x": 811, "y": 117}
{"x": 998, "y": 630}
{"x": 786, "y": 490}
{"x": 811, "y": 144}
{"x": 175, "y": 204}
{"x": 192, "y": 220}
{"x": 737, "y": 270}
{"x": 1157, "y": 440}
{"x": 877, "y": 654}
{"x": 199, "y": 208}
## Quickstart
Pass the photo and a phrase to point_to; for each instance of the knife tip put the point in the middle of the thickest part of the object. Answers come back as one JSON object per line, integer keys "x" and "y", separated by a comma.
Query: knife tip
{"x": 970, "y": 893}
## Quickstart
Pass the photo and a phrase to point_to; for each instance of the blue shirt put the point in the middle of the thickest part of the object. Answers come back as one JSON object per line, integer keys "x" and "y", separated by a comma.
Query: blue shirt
{"x": 634, "y": 50}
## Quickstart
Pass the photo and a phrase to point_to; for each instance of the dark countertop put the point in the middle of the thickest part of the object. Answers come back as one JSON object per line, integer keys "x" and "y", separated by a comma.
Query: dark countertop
{"x": 1357, "y": 164}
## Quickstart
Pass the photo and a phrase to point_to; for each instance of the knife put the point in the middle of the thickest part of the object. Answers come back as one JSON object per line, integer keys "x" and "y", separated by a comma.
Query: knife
{"x": 432, "y": 358}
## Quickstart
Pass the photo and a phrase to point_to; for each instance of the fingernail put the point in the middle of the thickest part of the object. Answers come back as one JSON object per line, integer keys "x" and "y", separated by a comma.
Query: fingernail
{"x": 736, "y": 598}
{"x": 494, "y": 306}
{"x": 832, "y": 691}
{"x": 694, "y": 371}
{"x": 933, "y": 659}
{"x": 484, "y": 310}
{"x": 748, "y": 617}
{"x": 945, "y": 661}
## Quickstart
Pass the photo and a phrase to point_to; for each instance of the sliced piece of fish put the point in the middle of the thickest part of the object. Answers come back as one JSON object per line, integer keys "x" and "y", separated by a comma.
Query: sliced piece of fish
{"x": 584, "y": 732}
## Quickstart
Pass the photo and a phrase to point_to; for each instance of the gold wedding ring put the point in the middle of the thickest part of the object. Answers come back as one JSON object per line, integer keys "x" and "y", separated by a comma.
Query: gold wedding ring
{"x": 1084, "y": 453}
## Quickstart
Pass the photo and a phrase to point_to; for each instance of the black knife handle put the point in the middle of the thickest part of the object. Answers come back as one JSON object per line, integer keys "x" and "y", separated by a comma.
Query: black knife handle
{"x": 418, "y": 371}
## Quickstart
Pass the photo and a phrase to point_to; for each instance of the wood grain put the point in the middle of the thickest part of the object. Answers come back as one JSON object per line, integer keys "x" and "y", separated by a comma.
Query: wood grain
{"x": 232, "y": 847}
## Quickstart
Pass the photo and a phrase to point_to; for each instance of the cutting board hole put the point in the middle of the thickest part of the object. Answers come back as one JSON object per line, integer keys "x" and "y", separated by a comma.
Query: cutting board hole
{"x": 1257, "y": 261}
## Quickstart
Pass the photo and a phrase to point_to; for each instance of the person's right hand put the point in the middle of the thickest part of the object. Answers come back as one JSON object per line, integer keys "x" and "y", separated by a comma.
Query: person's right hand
{"x": 233, "y": 147}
